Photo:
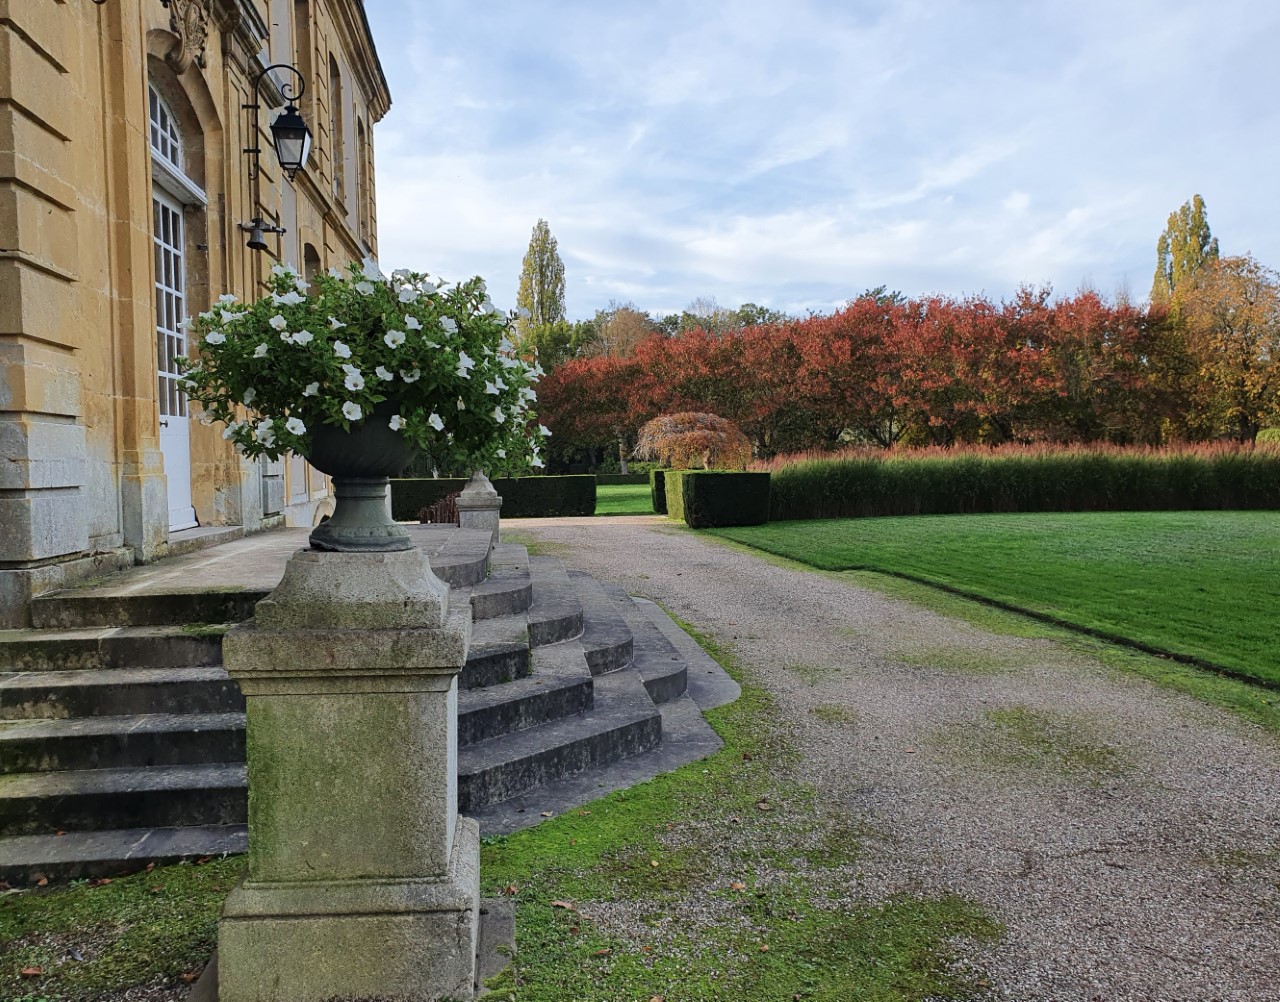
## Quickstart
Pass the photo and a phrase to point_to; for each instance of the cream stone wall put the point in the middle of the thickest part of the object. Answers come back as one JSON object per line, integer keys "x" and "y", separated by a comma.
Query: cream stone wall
{"x": 82, "y": 475}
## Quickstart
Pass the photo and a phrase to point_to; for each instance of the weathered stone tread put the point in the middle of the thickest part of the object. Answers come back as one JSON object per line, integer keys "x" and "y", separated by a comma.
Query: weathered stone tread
{"x": 662, "y": 668}
{"x": 560, "y": 685}
{"x": 130, "y": 741}
{"x": 606, "y": 637}
{"x": 556, "y": 612}
{"x": 113, "y": 692}
{"x": 25, "y": 859}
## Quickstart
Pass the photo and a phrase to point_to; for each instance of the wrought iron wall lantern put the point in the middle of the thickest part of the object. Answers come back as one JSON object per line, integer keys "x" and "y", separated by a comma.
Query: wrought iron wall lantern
{"x": 290, "y": 138}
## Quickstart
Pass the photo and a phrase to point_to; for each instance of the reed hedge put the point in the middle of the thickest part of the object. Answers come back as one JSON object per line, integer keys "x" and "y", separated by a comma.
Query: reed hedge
{"x": 951, "y": 483}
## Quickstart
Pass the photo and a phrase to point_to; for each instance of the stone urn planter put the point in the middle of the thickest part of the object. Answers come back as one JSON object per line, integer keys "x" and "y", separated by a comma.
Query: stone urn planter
{"x": 361, "y": 462}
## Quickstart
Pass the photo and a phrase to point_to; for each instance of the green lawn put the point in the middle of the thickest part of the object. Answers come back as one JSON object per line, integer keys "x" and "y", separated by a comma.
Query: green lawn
{"x": 623, "y": 499}
{"x": 1201, "y": 584}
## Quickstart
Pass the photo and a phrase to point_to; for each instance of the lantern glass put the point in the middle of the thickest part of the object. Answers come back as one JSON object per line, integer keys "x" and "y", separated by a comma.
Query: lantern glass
{"x": 292, "y": 140}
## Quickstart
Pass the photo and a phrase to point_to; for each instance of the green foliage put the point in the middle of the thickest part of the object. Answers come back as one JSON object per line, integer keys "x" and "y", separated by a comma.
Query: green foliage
{"x": 1197, "y": 585}
{"x": 943, "y": 483}
{"x": 1268, "y": 436}
{"x": 522, "y": 497}
{"x": 623, "y": 499}
{"x": 658, "y": 491}
{"x": 1183, "y": 248}
{"x": 541, "y": 292}
{"x": 712, "y": 498}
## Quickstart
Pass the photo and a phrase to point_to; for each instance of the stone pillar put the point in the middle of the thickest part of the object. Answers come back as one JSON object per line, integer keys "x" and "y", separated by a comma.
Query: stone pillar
{"x": 363, "y": 880}
{"x": 479, "y": 504}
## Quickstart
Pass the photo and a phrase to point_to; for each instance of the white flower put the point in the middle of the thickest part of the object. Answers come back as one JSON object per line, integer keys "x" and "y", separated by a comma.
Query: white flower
{"x": 264, "y": 433}
{"x": 502, "y": 453}
{"x": 354, "y": 381}
{"x": 536, "y": 462}
{"x": 231, "y": 429}
{"x": 364, "y": 288}
{"x": 463, "y": 373}
{"x": 341, "y": 350}
{"x": 509, "y": 363}
{"x": 449, "y": 325}
{"x": 488, "y": 307}
{"x": 498, "y": 415}
{"x": 396, "y": 422}
{"x": 295, "y": 426}
{"x": 286, "y": 337}
{"x": 335, "y": 323}
{"x": 393, "y": 339}
{"x": 249, "y": 395}
{"x": 465, "y": 361}
{"x": 303, "y": 337}
{"x": 336, "y": 272}
{"x": 215, "y": 337}
{"x": 383, "y": 374}
{"x": 408, "y": 294}
{"x": 350, "y": 369}
{"x": 228, "y": 316}
{"x": 312, "y": 390}
{"x": 227, "y": 298}
{"x": 351, "y": 411}
{"x": 411, "y": 377}
{"x": 546, "y": 432}
{"x": 184, "y": 324}
{"x": 490, "y": 389}
{"x": 523, "y": 314}
{"x": 301, "y": 284}
{"x": 461, "y": 405}
{"x": 278, "y": 322}
{"x": 435, "y": 421}
{"x": 260, "y": 351}
{"x": 369, "y": 267}
{"x": 497, "y": 381}
{"x": 290, "y": 298}
{"x": 528, "y": 395}
{"x": 413, "y": 323}
{"x": 282, "y": 269}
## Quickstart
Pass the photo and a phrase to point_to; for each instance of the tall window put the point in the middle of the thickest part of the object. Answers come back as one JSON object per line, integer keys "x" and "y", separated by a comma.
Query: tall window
{"x": 168, "y": 237}
{"x": 166, "y": 142}
{"x": 362, "y": 180}
{"x": 337, "y": 153}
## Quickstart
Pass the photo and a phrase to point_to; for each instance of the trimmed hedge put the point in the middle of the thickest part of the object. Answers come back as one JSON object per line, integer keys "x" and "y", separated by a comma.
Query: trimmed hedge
{"x": 522, "y": 497}
{"x": 1069, "y": 480}
{"x": 709, "y": 498}
{"x": 622, "y": 478}
{"x": 658, "y": 491}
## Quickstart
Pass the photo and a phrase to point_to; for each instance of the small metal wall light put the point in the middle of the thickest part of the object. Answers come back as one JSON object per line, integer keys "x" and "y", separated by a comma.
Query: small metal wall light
{"x": 289, "y": 136}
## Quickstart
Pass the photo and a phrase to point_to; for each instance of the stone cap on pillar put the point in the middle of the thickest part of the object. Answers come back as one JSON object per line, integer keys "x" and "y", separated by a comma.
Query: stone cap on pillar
{"x": 479, "y": 493}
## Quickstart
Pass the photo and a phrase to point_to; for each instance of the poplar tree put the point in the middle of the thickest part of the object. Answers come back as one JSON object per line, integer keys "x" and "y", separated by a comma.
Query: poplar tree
{"x": 1183, "y": 249}
{"x": 541, "y": 284}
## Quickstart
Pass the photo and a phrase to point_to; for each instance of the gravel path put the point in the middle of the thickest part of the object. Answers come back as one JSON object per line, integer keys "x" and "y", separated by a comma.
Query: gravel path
{"x": 1128, "y": 837}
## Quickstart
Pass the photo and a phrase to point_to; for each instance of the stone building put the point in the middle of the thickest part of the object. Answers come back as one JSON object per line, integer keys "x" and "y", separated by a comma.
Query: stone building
{"x": 124, "y": 189}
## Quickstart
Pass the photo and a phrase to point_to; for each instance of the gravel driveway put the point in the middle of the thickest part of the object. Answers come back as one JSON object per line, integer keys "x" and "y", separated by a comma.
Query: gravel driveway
{"x": 1128, "y": 837}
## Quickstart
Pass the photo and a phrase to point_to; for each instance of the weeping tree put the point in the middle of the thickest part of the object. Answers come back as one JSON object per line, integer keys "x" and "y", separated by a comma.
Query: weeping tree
{"x": 694, "y": 440}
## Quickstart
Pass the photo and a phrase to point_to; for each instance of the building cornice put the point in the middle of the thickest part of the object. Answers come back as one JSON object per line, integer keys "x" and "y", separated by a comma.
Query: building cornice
{"x": 350, "y": 18}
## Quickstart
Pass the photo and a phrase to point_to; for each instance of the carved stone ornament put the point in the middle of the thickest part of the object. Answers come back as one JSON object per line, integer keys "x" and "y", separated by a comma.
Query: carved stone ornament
{"x": 189, "y": 20}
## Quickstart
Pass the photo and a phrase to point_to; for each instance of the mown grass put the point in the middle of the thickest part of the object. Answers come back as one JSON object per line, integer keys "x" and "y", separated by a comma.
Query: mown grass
{"x": 623, "y": 499}
{"x": 1195, "y": 584}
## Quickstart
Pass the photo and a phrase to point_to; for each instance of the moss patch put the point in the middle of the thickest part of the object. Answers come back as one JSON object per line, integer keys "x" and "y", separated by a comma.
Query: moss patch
{"x": 1020, "y": 737}
{"x": 961, "y": 660}
{"x": 832, "y": 713}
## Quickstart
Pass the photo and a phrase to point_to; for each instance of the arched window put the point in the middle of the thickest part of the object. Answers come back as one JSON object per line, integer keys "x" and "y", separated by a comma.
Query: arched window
{"x": 336, "y": 151}
{"x": 166, "y": 141}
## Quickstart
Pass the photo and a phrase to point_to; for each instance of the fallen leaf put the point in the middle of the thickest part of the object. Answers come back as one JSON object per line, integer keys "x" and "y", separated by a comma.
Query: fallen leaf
{"x": 658, "y": 998}
{"x": 602, "y": 952}
{"x": 646, "y": 949}
{"x": 32, "y": 972}
{"x": 583, "y": 812}
{"x": 735, "y": 820}
{"x": 563, "y": 904}
{"x": 738, "y": 885}
{"x": 202, "y": 860}
{"x": 188, "y": 976}
{"x": 746, "y": 756}
{"x": 573, "y": 841}
{"x": 764, "y": 805}
{"x": 150, "y": 867}
{"x": 764, "y": 947}
{"x": 42, "y": 882}
{"x": 573, "y": 929}
{"x": 548, "y": 814}
{"x": 511, "y": 890}
{"x": 76, "y": 955}
{"x": 911, "y": 751}
{"x": 59, "y": 833}
{"x": 653, "y": 862}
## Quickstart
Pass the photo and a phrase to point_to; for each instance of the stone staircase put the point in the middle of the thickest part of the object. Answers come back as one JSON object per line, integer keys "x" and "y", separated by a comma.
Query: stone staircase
{"x": 122, "y": 738}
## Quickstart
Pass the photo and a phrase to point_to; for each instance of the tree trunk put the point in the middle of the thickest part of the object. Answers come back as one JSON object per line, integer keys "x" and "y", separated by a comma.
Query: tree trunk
{"x": 622, "y": 454}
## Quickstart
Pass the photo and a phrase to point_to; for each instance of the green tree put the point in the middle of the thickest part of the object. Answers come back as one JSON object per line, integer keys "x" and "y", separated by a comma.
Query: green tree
{"x": 1183, "y": 249}
{"x": 541, "y": 283}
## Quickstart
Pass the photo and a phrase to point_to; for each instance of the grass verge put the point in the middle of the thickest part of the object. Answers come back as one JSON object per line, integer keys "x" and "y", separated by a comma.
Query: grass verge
{"x": 623, "y": 499}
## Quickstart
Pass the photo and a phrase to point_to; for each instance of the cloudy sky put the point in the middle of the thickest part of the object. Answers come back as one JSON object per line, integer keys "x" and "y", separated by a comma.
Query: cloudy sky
{"x": 795, "y": 153}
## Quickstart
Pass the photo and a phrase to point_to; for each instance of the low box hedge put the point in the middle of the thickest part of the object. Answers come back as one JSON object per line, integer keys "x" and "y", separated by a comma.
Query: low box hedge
{"x": 708, "y": 498}
{"x": 658, "y": 491}
{"x": 522, "y": 497}
{"x": 622, "y": 478}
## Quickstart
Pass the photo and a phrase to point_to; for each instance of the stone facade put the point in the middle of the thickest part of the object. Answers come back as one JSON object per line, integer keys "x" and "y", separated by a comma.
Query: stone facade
{"x": 123, "y": 187}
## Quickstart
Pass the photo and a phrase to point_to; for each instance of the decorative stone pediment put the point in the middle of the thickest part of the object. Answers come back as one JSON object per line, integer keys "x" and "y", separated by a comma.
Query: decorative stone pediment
{"x": 189, "y": 22}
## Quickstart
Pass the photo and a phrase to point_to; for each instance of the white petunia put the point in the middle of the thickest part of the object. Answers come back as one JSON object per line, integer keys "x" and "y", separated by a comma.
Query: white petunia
{"x": 490, "y": 389}
{"x": 364, "y": 288}
{"x": 228, "y": 316}
{"x": 383, "y": 374}
{"x": 295, "y": 426}
{"x": 528, "y": 395}
{"x": 290, "y": 298}
{"x": 249, "y": 396}
{"x": 303, "y": 337}
{"x": 408, "y": 294}
{"x": 449, "y": 325}
{"x": 546, "y": 432}
{"x": 497, "y": 381}
{"x": 312, "y": 390}
{"x": 278, "y": 322}
{"x": 411, "y": 377}
{"x": 461, "y": 405}
{"x": 341, "y": 350}
{"x": 465, "y": 361}
{"x": 354, "y": 381}
{"x": 502, "y": 453}
{"x": 286, "y": 337}
{"x": 264, "y": 433}
{"x": 369, "y": 267}
{"x": 413, "y": 323}
{"x": 231, "y": 429}
{"x": 336, "y": 272}
{"x": 260, "y": 351}
{"x": 215, "y": 337}
{"x": 463, "y": 373}
{"x": 394, "y": 339}
{"x": 282, "y": 269}
{"x": 536, "y": 461}
{"x": 509, "y": 363}
{"x": 301, "y": 284}
{"x": 396, "y": 422}
{"x": 335, "y": 323}
{"x": 435, "y": 421}
{"x": 498, "y": 415}
{"x": 351, "y": 411}
{"x": 227, "y": 298}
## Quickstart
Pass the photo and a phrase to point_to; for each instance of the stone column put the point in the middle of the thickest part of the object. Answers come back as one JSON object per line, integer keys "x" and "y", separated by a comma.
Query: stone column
{"x": 363, "y": 880}
{"x": 479, "y": 504}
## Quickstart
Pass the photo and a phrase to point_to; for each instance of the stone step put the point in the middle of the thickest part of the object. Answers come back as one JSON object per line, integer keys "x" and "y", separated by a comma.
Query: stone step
{"x": 114, "y": 692}
{"x": 82, "y": 608}
{"x": 459, "y": 557}
{"x": 499, "y": 652}
{"x": 42, "y": 803}
{"x": 556, "y": 612}
{"x": 663, "y": 669}
{"x": 622, "y": 722}
{"x": 508, "y": 590}
{"x": 110, "y": 647}
{"x": 559, "y": 686}
{"x": 133, "y": 741}
{"x": 606, "y": 638}
{"x": 26, "y": 859}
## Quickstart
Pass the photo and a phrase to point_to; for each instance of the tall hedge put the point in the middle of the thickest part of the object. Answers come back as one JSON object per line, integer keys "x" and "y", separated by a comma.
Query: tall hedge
{"x": 1069, "y": 480}
{"x": 522, "y": 497}
{"x": 707, "y": 498}
{"x": 658, "y": 491}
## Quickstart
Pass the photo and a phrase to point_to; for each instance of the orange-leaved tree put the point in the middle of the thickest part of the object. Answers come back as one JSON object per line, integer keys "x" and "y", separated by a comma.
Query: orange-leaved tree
{"x": 693, "y": 439}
